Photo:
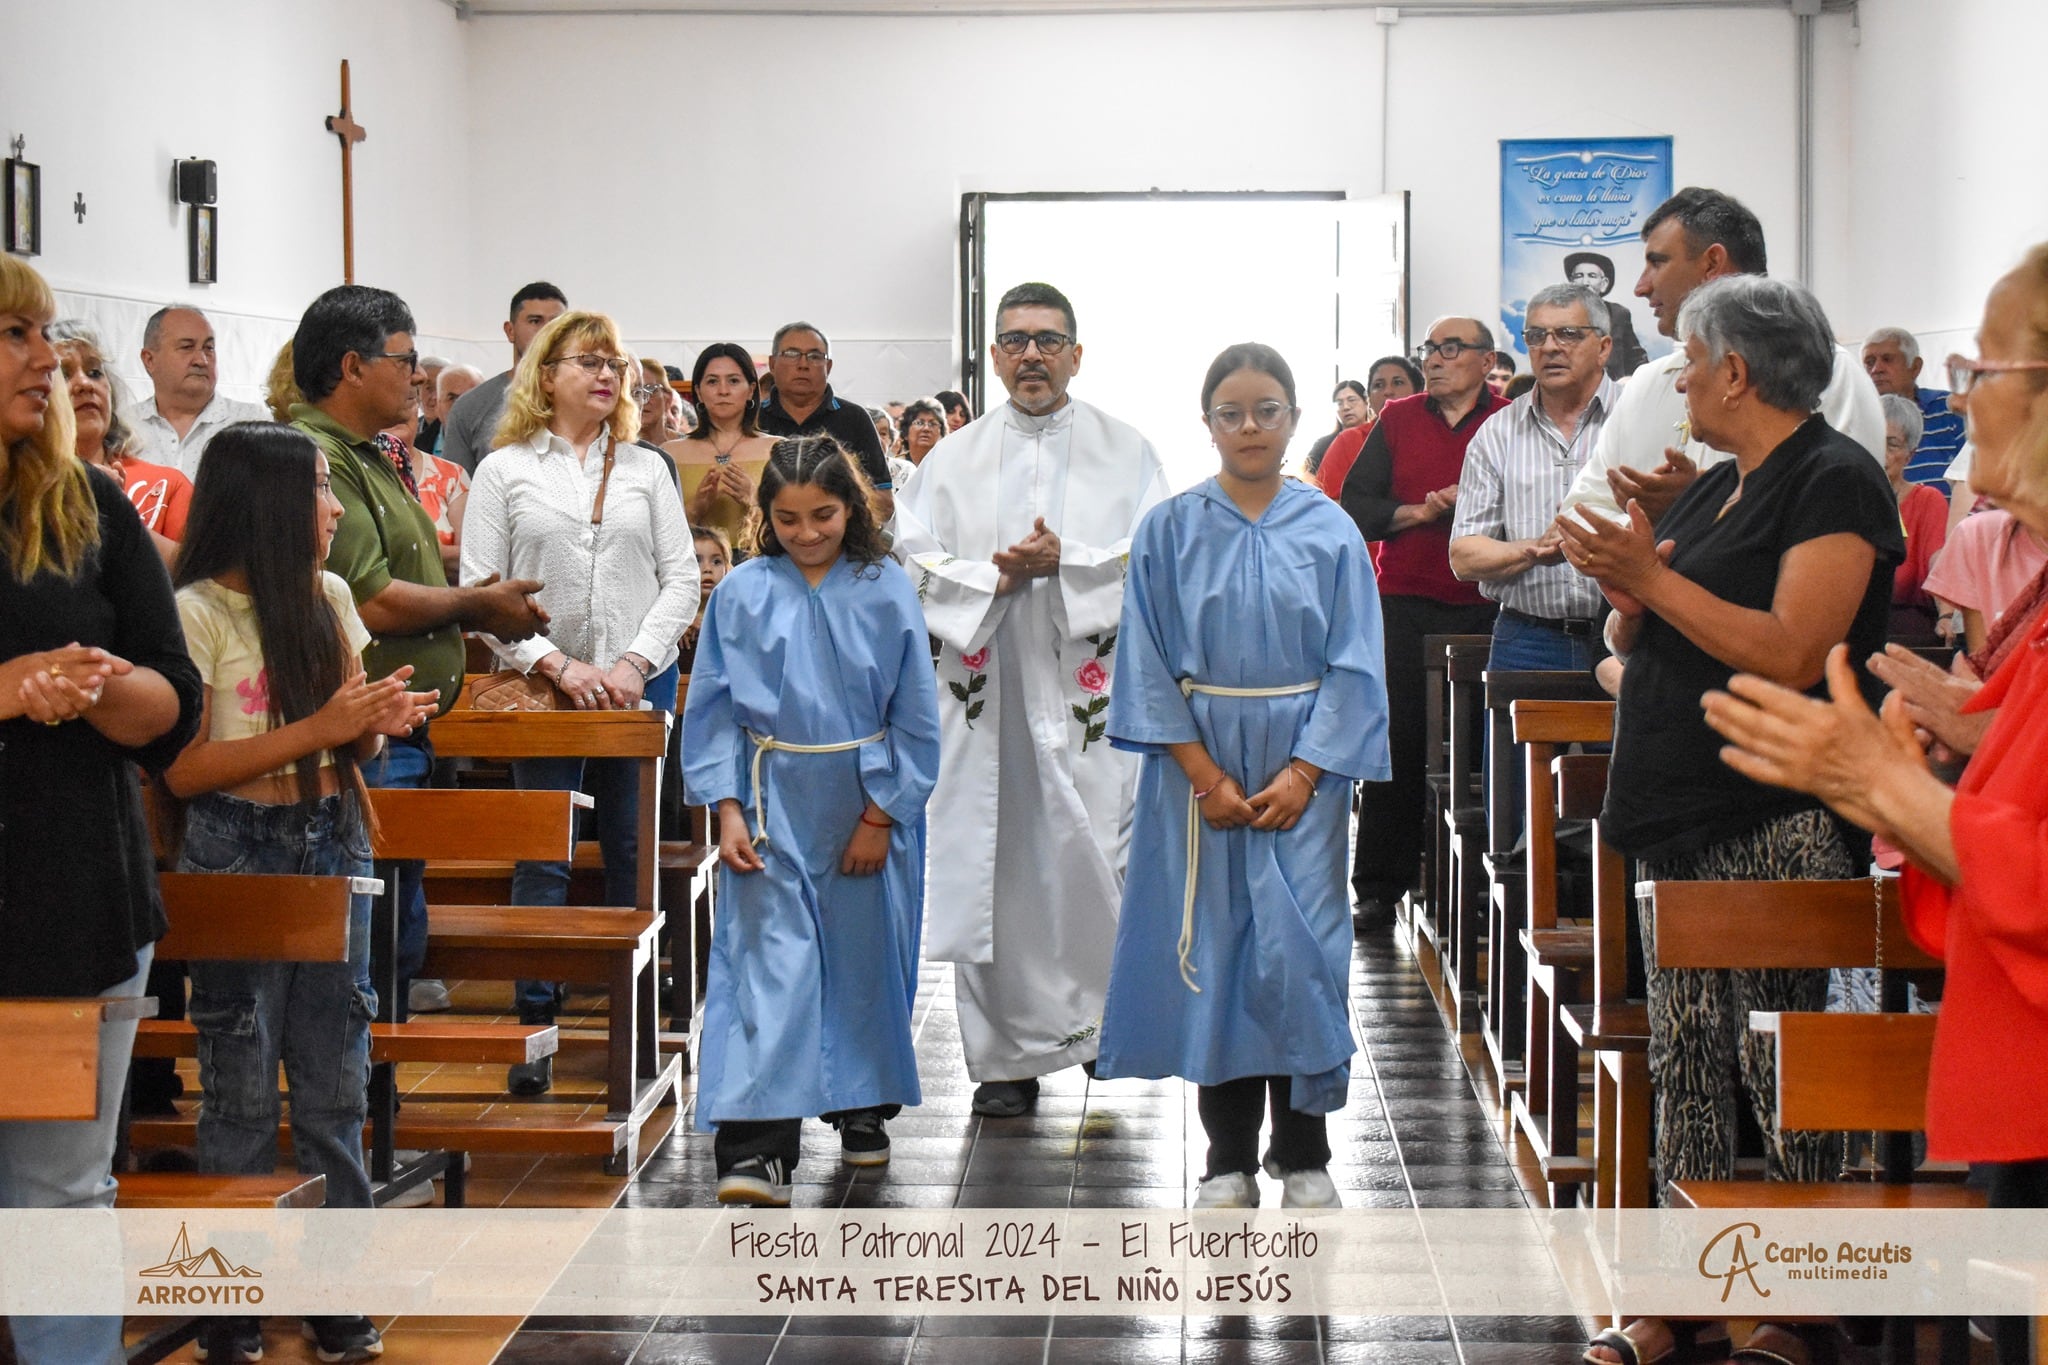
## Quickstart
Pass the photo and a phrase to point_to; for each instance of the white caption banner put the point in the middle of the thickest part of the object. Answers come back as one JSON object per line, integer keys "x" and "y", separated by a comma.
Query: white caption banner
{"x": 987, "y": 1261}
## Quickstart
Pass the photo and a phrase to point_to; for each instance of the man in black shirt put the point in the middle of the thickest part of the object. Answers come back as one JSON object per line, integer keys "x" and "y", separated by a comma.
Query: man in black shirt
{"x": 800, "y": 361}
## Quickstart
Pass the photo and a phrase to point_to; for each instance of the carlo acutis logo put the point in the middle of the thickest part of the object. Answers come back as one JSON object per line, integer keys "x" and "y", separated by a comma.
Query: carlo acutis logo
{"x": 199, "y": 1279}
{"x": 1740, "y": 1252}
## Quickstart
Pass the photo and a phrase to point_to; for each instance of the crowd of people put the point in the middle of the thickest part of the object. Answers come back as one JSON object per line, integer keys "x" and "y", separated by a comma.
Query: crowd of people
{"x": 950, "y": 677}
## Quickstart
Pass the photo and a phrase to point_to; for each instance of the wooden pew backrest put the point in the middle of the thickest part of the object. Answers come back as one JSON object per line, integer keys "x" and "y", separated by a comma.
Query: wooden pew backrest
{"x": 475, "y": 824}
{"x": 552, "y": 734}
{"x": 1778, "y": 924}
{"x": 1851, "y": 1072}
{"x": 247, "y": 917}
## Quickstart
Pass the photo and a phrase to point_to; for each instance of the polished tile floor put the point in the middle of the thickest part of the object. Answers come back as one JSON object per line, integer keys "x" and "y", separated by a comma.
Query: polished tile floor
{"x": 1414, "y": 1135}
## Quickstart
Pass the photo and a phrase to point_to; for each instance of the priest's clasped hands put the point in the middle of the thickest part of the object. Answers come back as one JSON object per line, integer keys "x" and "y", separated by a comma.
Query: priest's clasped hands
{"x": 1035, "y": 556}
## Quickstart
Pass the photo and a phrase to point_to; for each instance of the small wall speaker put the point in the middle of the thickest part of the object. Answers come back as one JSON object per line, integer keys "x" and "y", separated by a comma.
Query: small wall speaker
{"x": 196, "y": 182}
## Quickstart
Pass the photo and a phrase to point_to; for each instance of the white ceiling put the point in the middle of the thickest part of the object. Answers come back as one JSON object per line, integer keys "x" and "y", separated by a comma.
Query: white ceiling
{"x": 962, "y": 8}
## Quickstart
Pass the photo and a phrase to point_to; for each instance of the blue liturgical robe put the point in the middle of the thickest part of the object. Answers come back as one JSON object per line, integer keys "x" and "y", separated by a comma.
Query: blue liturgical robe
{"x": 1216, "y": 599}
{"x": 807, "y": 1001}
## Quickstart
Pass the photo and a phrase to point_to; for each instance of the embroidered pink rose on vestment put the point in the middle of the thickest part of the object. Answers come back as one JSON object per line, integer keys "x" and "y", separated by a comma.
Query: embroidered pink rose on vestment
{"x": 976, "y": 661}
{"x": 1093, "y": 677}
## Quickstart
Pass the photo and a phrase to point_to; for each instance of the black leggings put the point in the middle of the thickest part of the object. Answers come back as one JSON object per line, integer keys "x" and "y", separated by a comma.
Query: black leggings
{"x": 1231, "y": 1116}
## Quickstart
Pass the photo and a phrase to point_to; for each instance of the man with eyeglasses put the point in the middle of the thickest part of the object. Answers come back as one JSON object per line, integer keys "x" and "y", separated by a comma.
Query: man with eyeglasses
{"x": 1891, "y": 357}
{"x": 1016, "y": 528}
{"x": 803, "y": 404}
{"x": 1401, "y": 492}
{"x": 1646, "y": 451}
{"x": 186, "y": 408}
{"x": 467, "y": 427}
{"x": 354, "y": 362}
{"x": 1518, "y": 468}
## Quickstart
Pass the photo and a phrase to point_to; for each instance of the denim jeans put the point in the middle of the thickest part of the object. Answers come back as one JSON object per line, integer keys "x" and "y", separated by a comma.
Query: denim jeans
{"x": 314, "y": 1016}
{"x": 45, "y": 1165}
{"x": 1524, "y": 647}
{"x": 406, "y": 762}
{"x": 614, "y": 784}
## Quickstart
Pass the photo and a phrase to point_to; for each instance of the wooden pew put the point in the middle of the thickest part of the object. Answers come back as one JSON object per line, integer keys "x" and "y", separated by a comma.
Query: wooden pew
{"x": 1611, "y": 1026}
{"x": 1463, "y": 829}
{"x": 1432, "y": 920}
{"x": 1558, "y": 956}
{"x": 615, "y": 945}
{"x": 1502, "y": 1022}
{"x": 1806, "y": 924}
{"x": 54, "y": 1072}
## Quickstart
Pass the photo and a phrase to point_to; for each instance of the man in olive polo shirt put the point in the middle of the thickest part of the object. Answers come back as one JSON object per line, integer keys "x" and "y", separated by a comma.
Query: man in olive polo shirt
{"x": 353, "y": 359}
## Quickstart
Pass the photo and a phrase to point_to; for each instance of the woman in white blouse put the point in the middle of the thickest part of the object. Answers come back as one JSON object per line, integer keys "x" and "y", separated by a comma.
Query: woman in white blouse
{"x": 568, "y": 498}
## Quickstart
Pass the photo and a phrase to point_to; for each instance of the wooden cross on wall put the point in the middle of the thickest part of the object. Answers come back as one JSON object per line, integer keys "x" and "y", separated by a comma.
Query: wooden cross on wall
{"x": 345, "y": 127}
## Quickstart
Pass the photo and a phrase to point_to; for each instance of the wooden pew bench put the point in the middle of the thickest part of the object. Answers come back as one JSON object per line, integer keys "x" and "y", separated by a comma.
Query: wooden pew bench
{"x": 1462, "y": 830}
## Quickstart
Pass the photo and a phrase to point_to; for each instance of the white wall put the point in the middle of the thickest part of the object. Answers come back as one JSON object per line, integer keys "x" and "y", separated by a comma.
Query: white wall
{"x": 817, "y": 164}
{"x": 110, "y": 92}
{"x": 1948, "y": 187}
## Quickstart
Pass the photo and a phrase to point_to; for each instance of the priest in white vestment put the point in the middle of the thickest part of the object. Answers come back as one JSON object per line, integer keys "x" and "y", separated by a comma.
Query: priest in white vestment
{"x": 1016, "y": 530}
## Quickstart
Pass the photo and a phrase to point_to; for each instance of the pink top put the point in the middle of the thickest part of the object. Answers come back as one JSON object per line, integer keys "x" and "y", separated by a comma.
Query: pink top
{"x": 1989, "y": 560}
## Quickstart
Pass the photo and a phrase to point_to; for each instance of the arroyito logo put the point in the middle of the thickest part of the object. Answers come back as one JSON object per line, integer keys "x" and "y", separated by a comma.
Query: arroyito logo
{"x": 1727, "y": 1258}
{"x": 208, "y": 1265}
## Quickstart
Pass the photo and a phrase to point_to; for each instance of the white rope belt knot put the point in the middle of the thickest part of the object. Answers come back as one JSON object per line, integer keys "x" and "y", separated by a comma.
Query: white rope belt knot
{"x": 1186, "y": 946}
{"x": 764, "y": 743}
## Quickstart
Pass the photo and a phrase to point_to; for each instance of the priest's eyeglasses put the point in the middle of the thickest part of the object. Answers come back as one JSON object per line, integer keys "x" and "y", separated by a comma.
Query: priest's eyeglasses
{"x": 593, "y": 364}
{"x": 1048, "y": 343}
{"x": 1965, "y": 374}
{"x": 1532, "y": 337}
{"x": 1226, "y": 418}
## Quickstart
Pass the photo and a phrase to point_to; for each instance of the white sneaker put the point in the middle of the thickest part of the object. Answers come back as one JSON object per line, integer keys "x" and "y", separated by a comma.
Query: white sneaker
{"x": 427, "y": 996}
{"x": 1309, "y": 1190}
{"x": 1235, "y": 1190}
{"x": 411, "y": 1197}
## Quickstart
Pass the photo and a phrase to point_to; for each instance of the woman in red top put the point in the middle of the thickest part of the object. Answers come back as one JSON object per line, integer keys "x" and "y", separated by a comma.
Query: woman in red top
{"x": 1391, "y": 377}
{"x": 161, "y": 494}
{"x": 1923, "y": 515}
{"x": 1976, "y": 890}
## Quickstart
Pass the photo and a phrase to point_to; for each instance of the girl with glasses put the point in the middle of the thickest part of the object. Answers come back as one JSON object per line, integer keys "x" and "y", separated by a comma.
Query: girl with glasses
{"x": 1250, "y": 671}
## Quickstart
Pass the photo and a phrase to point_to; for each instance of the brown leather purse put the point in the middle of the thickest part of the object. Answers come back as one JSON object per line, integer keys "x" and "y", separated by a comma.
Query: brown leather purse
{"x": 510, "y": 690}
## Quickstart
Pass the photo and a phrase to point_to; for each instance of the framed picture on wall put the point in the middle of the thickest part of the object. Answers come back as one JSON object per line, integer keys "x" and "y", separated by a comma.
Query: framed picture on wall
{"x": 204, "y": 244}
{"x": 24, "y": 207}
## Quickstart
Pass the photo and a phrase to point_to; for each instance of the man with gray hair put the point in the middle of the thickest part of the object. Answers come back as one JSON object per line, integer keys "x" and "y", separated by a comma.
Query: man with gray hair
{"x": 1647, "y": 453}
{"x": 173, "y": 425}
{"x": 1518, "y": 469}
{"x": 430, "y": 402}
{"x": 1891, "y": 357}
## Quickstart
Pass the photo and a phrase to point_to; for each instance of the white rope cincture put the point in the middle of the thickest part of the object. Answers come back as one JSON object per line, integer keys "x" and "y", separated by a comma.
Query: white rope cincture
{"x": 1186, "y": 946}
{"x": 764, "y": 743}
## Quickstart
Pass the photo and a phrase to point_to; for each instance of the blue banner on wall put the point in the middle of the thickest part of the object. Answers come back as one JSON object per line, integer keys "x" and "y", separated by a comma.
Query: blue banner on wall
{"x": 1573, "y": 209}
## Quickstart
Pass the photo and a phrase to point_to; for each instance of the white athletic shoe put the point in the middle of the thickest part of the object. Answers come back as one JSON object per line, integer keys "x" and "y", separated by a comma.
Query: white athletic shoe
{"x": 1234, "y": 1190}
{"x": 427, "y": 996}
{"x": 1309, "y": 1190}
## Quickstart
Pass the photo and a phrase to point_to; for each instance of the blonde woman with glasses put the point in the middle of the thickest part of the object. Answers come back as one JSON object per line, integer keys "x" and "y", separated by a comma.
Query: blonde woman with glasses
{"x": 567, "y": 497}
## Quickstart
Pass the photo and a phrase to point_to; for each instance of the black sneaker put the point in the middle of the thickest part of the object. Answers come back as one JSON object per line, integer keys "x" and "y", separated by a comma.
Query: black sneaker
{"x": 762, "y": 1181}
{"x": 1373, "y": 913}
{"x": 229, "y": 1341}
{"x": 531, "y": 1078}
{"x": 342, "y": 1339}
{"x": 862, "y": 1139}
{"x": 1005, "y": 1099}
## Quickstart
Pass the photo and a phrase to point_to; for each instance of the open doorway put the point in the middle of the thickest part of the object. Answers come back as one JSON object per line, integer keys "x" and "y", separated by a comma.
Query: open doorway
{"x": 1162, "y": 282}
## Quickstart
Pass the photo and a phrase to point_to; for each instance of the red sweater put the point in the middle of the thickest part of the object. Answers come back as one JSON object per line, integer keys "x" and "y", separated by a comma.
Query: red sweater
{"x": 1987, "y": 1097}
{"x": 1409, "y": 455}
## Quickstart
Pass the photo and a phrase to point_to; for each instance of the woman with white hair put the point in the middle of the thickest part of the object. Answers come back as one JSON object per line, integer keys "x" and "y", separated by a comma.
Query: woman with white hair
{"x": 1923, "y": 515}
{"x": 1764, "y": 564}
{"x": 159, "y": 493}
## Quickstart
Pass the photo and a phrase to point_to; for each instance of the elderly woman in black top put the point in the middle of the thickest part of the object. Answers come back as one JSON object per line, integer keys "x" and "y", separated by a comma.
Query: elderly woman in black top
{"x": 1764, "y": 564}
{"x": 93, "y": 677}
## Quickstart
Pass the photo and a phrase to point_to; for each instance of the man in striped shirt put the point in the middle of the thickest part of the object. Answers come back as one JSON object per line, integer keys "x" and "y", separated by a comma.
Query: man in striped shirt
{"x": 1518, "y": 469}
{"x": 1891, "y": 357}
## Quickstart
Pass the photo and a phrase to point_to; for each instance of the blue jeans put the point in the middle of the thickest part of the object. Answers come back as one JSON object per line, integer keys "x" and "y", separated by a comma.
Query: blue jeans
{"x": 314, "y": 1016}
{"x": 1524, "y": 647}
{"x": 46, "y": 1165}
{"x": 406, "y": 762}
{"x": 614, "y": 784}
